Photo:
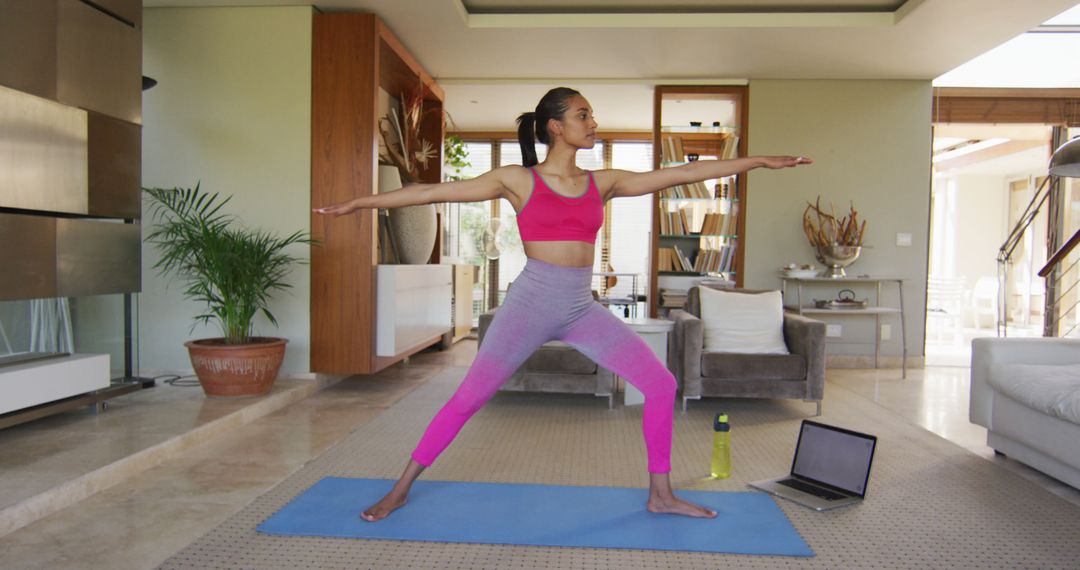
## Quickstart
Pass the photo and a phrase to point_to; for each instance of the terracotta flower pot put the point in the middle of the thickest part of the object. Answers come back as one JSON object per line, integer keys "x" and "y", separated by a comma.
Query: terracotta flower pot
{"x": 231, "y": 370}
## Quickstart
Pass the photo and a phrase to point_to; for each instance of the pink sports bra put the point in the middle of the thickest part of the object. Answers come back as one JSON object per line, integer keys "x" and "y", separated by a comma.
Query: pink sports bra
{"x": 550, "y": 216}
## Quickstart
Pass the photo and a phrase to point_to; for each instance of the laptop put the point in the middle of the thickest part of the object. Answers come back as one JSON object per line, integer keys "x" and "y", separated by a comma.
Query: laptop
{"x": 830, "y": 469}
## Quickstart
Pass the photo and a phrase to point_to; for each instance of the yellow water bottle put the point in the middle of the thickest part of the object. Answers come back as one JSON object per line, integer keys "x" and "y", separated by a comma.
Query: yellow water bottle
{"x": 721, "y": 447}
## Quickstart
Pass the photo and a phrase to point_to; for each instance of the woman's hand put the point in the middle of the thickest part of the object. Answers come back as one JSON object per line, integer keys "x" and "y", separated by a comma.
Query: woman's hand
{"x": 775, "y": 162}
{"x": 338, "y": 209}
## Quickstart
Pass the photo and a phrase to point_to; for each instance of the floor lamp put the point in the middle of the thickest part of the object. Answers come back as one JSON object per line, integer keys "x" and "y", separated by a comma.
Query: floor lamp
{"x": 1064, "y": 163}
{"x": 1066, "y": 160}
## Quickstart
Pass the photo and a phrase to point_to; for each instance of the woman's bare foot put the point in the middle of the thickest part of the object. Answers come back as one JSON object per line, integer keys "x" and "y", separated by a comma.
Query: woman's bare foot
{"x": 676, "y": 506}
{"x": 662, "y": 500}
{"x": 390, "y": 503}
{"x": 395, "y": 499}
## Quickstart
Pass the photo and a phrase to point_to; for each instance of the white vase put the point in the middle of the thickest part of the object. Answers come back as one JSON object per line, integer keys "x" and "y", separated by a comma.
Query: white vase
{"x": 414, "y": 229}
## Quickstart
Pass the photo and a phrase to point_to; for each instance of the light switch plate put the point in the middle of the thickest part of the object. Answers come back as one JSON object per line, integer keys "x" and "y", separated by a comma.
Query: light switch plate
{"x": 903, "y": 240}
{"x": 834, "y": 330}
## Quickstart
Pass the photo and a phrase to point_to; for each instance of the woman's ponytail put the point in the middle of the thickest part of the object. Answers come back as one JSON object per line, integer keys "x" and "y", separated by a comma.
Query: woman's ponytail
{"x": 527, "y": 138}
{"x": 533, "y": 126}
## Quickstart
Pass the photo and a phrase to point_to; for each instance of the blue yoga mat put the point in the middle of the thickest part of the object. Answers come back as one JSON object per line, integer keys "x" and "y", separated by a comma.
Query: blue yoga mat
{"x": 540, "y": 515}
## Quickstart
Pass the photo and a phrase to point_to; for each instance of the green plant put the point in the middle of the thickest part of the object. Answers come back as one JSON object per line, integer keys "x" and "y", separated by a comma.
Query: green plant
{"x": 455, "y": 156}
{"x": 232, "y": 269}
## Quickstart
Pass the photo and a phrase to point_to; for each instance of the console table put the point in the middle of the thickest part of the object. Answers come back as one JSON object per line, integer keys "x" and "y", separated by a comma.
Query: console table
{"x": 875, "y": 309}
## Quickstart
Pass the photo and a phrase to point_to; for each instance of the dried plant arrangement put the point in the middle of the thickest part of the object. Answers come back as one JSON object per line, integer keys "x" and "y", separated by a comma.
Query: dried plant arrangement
{"x": 402, "y": 145}
{"x": 824, "y": 229}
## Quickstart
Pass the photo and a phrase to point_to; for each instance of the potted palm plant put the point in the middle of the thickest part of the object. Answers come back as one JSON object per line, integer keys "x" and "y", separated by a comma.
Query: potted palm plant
{"x": 231, "y": 269}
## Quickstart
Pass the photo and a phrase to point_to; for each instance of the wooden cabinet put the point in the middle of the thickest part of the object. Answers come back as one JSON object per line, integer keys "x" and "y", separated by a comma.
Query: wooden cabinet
{"x": 697, "y": 228}
{"x": 354, "y": 58}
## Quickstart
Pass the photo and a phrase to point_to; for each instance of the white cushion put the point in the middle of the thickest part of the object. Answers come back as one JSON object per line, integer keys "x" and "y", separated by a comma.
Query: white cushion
{"x": 746, "y": 323}
{"x": 1051, "y": 389}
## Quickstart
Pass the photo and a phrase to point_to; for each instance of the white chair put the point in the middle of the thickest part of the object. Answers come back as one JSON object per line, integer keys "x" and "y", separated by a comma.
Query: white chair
{"x": 945, "y": 308}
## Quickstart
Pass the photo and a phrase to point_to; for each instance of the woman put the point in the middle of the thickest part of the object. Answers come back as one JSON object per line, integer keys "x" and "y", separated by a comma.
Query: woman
{"x": 560, "y": 209}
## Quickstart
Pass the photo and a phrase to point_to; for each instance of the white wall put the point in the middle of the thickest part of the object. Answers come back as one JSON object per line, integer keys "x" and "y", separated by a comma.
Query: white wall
{"x": 232, "y": 110}
{"x": 871, "y": 142}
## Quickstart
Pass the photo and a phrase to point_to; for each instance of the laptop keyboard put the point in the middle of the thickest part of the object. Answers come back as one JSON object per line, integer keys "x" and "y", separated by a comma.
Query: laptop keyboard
{"x": 813, "y": 490}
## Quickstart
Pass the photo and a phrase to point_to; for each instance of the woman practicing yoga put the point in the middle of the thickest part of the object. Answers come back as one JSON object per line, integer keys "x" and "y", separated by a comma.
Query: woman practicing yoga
{"x": 560, "y": 208}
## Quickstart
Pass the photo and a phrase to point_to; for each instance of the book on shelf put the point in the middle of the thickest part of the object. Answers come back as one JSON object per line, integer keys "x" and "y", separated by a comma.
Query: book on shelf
{"x": 673, "y": 259}
{"x": 666, "y": 260}
{"x": 720, "y": 260}
{"x": 717, "y": 223}
{"x": 671, "y": 150}
{"x": 684, "y": 261}
{"x": 729, "y": 146}
{"x": 694, "y": 190}
{"x": 729, "y": 224}
{"x": 672, "y": 298}
{"x": 723, "y": 264}
{"x": 675, "y": 223}
{"x": 711, "y": 224}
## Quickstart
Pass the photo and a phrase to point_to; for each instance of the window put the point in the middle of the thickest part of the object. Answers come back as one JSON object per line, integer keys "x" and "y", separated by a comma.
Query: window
{"x": 465, "y": 224}
{"x": 631, "y": 221}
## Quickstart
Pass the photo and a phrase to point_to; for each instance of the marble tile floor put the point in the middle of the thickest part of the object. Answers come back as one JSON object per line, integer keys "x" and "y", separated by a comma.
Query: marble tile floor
{"x": 140, "y": 522}
{"x": 42, "y": 454}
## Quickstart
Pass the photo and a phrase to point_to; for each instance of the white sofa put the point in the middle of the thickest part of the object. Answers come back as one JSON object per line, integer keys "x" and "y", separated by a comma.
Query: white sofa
{"x": 1026, "y": 392}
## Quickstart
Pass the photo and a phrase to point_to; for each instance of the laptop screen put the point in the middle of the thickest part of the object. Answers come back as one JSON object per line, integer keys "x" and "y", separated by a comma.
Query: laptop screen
{"x": 834, "y": 456}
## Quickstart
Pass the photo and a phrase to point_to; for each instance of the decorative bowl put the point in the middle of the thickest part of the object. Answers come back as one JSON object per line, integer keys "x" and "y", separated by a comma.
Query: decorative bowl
{"x": 837, "y": 257}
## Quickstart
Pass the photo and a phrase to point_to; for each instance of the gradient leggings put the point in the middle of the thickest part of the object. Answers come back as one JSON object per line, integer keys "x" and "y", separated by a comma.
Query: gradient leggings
{"x": 551, "y": 302}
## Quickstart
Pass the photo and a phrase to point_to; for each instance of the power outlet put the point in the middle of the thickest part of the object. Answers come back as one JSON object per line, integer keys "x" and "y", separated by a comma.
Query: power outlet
{"x": 886, "y": 332}
{"x": 834, "y": 330}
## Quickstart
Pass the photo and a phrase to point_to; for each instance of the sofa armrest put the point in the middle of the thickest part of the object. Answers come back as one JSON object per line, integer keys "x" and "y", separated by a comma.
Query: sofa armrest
{"x": 485, "y": 322}
{"x": 806, "y": 337}
{"x": 689, "y": 343}
{"x": 988, "y": 353}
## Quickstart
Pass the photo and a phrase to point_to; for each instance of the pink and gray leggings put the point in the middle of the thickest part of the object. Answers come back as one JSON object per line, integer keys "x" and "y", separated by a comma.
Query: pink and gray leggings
{"x": 552, "y": 302}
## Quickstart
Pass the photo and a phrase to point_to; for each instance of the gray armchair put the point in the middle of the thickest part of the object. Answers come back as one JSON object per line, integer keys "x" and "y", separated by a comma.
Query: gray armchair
{"x": 800, "y": 374}
{"x": 556, "y": 367}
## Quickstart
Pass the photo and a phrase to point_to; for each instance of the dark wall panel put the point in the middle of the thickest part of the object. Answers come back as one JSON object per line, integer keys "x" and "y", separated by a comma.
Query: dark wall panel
{"x": 128, "y": 10}
{"x": 28, "y": 46}
{"x": 96, "y": 257}
{"x": 28, "y": 257}
{"x": 99, "y": 62}
{"x": 115, "y": 151}
{"x": 43, "y": 154}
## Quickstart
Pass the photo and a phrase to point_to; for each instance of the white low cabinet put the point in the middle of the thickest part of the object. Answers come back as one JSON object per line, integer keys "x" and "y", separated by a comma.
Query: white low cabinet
{"x": 43, "y": 381}
{"x": 412, "y": 306}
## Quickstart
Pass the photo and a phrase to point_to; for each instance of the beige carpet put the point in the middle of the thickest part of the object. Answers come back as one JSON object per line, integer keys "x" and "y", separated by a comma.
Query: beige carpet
{"x": 931, "y": 504}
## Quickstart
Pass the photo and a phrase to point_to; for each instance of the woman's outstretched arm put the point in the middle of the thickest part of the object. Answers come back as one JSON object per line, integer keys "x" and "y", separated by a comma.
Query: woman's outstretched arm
{"x": 488, "y": 186}
{"x": 626, "y": 183}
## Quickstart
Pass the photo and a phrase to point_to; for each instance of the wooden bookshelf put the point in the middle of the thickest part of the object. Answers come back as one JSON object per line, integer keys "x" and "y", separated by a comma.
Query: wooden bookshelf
{"x": 697, "y": 230}
{"x": 353, "y": 57}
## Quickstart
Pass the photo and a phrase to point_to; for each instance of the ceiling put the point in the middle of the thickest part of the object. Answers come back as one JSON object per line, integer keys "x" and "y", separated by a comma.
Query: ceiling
{"x": 991, "y": 150}
{"x": 504, "y": 54}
